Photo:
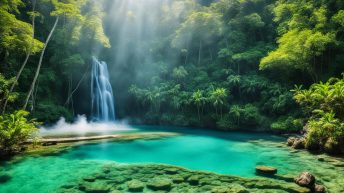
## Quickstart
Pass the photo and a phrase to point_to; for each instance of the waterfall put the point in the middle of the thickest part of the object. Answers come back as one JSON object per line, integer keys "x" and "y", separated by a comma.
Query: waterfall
{"x": 103, "y": 106}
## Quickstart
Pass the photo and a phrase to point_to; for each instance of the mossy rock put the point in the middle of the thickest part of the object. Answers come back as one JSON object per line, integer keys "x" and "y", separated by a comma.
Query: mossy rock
{"x": 95, "y": 187}
{"x": 135, "y": 186}
{"x": 177, "y": 179}
{"x": 266, "y": 170}
{"x": 159, "y": 183}
{"x": 234, "y": 188}
{"x": 119, "y": 180}
{"x": 299, "y": 143}
{"x": 89, "y": 179}
{"x": 115, "y": 191}
{"x": 194, "y": 179}
{"x": 171, "y": 170}
{"x": 70, "y": 191}
{"x": 291, "y": 141}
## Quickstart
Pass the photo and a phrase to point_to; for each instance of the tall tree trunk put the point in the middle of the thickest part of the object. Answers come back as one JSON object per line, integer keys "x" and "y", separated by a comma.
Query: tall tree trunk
{"x": 70, "y": 95}
{"x": 28, "y": 54}
{"x": 40, "y": 63}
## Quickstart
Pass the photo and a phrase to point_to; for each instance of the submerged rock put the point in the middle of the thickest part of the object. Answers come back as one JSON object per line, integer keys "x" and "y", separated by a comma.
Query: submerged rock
{"x": 305, "y": 179}
{"x": 90, "y": 179}
{"x": 153, "y": 178}
{"x": 266, "y": 170}
{"x": 229, "y": 189}
{"x": 194, "y": 180}
{"x": 5, "y": 178}
{"x": 177, "y": 179}
{"x": 135, "y": 185}
{"x": 159, "y": 183}
{"x": 99, "y": 187}
{"x": 171, "y": 170}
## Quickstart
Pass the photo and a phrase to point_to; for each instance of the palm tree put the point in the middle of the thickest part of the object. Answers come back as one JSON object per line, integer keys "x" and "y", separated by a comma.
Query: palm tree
{"x": 235, "y": 80}
{"x": 199, "y": 100}
{"x": 236, "y": 111}
{"x": 218, "y": 97}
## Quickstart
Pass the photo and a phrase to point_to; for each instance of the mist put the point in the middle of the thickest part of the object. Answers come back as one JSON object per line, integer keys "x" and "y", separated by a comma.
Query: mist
{"x": 82, "y": 127}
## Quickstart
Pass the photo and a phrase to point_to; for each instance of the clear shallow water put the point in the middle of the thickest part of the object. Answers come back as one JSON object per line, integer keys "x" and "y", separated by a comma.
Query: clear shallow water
{"x": 225, "y": 153}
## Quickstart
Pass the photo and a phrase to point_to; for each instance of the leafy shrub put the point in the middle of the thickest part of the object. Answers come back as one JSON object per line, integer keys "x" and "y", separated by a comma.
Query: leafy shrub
{"x": 15, "y": 129}
{"x": 323, "y": 102}
{"x": 326, "y": 132}
{"x": 226, "y": 123}
{"x": 245, "y": 115}
{"x": 288, "y": 124}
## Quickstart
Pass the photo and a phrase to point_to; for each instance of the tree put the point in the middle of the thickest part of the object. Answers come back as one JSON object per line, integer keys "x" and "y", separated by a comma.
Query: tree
{"x": 236, "y": 111}
{"x": 179, "y": 73}
{"x": 201, "y": 27}
{"x": 15, "y": 35}
{"x": 298, "y": 50}
{"x": 218, "y": 97}
{"x": 32, "y": 49}
{"x": 199, "y": 100}
{"x": 323, "y": 104}
{"x": 308, "y": 31}
{"x": 71, "y": 10}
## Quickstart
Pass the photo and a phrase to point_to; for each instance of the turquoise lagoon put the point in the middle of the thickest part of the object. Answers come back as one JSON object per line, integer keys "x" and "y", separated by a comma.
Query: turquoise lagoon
{"x": 224, "y": 153}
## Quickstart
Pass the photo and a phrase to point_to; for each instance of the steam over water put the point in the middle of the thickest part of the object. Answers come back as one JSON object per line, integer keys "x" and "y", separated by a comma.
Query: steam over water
{"x": 103, "y": 106}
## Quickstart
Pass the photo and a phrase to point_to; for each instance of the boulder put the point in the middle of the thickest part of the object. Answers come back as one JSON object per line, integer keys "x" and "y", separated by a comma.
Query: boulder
{"x": 95, "y": 187}
{"x": 159, "y": 183}
{"x": 290, "y": 141}
{"x": 299, "y": 143}
{"x": 332, "y": 146}
{"x": 305, "y": 179}
{"x": 171, "y": 170}
{"x": 320, "y": 158}
{"x": 177, "y": 179}
{"x": 135, "y": 185}
{"x": 233, "y": 188}
{"x": 89, "y": 179}
{"x": 266, "y": 170}
{"x": 194, "y": 179}
{"x": 319, "y": 188}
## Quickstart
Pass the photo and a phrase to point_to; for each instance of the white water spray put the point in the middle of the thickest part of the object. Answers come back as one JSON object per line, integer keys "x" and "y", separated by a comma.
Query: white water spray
{"x": 81, "y": 127}
{"x": 103, "y": 106}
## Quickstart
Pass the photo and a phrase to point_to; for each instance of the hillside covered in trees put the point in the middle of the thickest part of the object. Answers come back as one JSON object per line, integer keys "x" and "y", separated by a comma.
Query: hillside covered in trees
{"x": 272, "y": 65}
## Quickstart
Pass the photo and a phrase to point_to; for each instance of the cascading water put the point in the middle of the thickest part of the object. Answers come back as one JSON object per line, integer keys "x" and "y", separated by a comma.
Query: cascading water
{"x": 103, "y": 106}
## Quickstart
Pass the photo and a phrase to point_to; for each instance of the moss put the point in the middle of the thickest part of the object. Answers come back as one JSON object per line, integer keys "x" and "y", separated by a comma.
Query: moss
{"x": 135, "y": 177}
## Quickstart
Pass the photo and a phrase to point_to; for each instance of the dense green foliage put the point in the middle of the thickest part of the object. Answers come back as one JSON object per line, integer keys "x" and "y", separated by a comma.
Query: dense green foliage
{"x": 227, "y": 64}
{"x": 323, "y": 103}
{"x": 15, "y": 129}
